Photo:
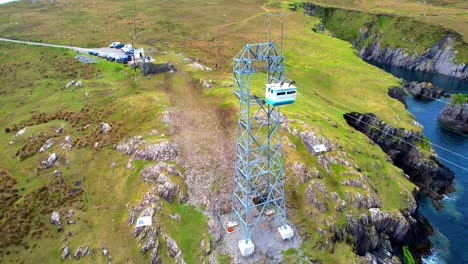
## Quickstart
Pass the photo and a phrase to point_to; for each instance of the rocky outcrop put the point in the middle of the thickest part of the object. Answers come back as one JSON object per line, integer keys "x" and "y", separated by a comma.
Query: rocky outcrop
{"x": 439, "y": 58}
{"x": 151, "y": 68}
{"x": 424, "y": 169}
{"x": 455, "y": 116}
{"x": 397, "y": 93}
{"x": 368, "y": 39}
{"x": 424, "y": 90}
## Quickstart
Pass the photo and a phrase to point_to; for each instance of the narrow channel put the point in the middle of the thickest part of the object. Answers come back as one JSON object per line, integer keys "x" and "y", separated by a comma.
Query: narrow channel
{"x": 450, "y": 222}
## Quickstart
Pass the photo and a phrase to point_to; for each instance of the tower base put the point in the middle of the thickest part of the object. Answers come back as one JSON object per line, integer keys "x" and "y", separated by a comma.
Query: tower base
{"x": 246, "y": 248}
{"x": 286, "y": 232}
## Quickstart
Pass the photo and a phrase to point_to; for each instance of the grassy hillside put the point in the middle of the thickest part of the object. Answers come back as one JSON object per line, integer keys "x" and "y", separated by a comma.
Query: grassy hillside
{"x": 328, "y": 73}
{"x": 394, "y": 30}
{"x": 451, "y": 14}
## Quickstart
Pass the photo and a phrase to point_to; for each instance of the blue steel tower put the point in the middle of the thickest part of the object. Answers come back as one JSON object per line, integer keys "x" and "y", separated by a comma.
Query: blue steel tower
{"x": 259, "y": 175}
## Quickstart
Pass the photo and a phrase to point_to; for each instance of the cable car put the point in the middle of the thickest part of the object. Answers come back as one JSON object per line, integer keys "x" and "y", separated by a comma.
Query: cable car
{"x": 280, "y": 93}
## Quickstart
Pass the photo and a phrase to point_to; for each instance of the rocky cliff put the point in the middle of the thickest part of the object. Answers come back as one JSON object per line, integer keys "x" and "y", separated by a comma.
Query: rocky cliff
{"x": 455, "y": 115}
{"x": 423, "y": 90}
{"x": 385, "y": 39}
{"x": 440, "y": 58}
{"x": 423, "y": 168}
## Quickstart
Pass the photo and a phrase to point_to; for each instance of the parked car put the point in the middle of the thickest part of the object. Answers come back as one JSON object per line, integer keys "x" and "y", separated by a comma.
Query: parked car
{"x": 126, "y": 48}
{"x": 130, "y": 52}
{"x": 129, "y": 58}
{"x": 115, "y": 44}
{"x": 93, "y": 52}
{"x": 111, "y": 57}
{"x": 123, "y": 60}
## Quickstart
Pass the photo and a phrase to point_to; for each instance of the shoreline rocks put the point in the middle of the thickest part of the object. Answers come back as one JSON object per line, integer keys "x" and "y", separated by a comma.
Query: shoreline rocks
{"x": 425, "y": 170}
{"x": 455, "y": 116}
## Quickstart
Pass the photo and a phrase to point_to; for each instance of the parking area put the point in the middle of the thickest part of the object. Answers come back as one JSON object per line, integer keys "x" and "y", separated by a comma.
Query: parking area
{"x": 116, "y": 54}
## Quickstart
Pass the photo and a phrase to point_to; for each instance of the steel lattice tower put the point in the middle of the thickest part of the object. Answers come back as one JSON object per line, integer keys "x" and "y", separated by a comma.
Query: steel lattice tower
{"x": 259, "y": 175}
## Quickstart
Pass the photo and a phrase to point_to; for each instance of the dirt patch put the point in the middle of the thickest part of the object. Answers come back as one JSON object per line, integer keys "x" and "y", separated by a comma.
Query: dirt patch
{"x": 205, "y": 134}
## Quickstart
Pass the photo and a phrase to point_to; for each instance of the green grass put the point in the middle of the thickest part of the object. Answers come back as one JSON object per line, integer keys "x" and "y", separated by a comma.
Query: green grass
{"x": 410, "y": 33}
{"x": 459, "y": 99}
{"x": 328, "y": 73}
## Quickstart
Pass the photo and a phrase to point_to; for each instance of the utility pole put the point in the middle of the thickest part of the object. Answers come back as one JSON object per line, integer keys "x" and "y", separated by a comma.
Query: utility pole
{"x": 133, "y": 38}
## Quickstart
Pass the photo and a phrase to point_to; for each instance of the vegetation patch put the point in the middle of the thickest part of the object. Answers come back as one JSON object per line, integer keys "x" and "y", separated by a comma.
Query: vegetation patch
{"x": 459, "y": 99}
{"x": 29, "y": 214}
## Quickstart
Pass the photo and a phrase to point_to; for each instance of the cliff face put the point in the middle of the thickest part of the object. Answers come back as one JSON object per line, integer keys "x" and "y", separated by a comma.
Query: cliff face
{"x": 426, "y": 171}
{"x": 439, "y": 58}
{"x": 455, "y": 116}
{"x": 395, "y": 40}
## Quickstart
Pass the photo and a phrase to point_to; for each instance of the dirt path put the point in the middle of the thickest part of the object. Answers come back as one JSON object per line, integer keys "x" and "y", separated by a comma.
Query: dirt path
{"x": 205, "y": 136}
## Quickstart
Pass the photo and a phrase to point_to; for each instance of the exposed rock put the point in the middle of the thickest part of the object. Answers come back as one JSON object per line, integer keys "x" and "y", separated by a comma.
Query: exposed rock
{"x": 105, "y": 128}
{"x": 55, "y": 220}
{"x": 65, "y": 252}
{"x": 401, "y": 145}
{"x": 151, "y": 68}
{"x": 162, "y": 151}
{"x": 70, "y": 83}
{"x": 398, "y": 93}
{"x": 438, "y": 58}
{"x": 310, "y": 140}
{"x": 154, "y": 258}
{"x": 130, "y": 145}
{"x": 59, "y": 130}
{"x": 69, "y": 215}
{"x": 57, "y": 173}
{"x": 79, "y": 84}
{"x": 151, "y": 172}
{"x": 21, "y": 131}
{"x": 78, "y": 253}
{"x": 455, "y": 116}
{"x": 171, "y": 246}
{"x": 166, "y": 188}
{"x": 47, "y": 145}
{"x": 151, "y": 240}
{"x": 49, "y": 162}
{"x": 312, "y": 198}
{"x": 395, "y": 226}
{"x": 215, "y": 230}
{"x": 424, "y": 90}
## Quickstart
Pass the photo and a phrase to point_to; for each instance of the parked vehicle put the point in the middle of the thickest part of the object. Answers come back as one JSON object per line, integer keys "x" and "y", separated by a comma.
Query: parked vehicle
{"x": 115, "y": 44}
{"x": 111, "y": 57}
{"x": 130, "y": 52}
{"x": 93, "y": 52}
{"x": 126, "y": 48}
{"x": 123, "y": 60}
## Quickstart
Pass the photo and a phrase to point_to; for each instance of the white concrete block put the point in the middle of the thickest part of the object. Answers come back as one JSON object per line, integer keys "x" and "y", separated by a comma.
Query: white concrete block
{"x": 246, "y": 248}
{"x": 286, "y": 232}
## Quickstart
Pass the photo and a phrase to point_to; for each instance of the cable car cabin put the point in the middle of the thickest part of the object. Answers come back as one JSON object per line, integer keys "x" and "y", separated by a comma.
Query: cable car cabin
{"x": 280, "y": 93}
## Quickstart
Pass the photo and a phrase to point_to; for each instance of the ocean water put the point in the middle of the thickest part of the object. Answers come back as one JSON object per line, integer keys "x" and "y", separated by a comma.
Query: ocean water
{"x": 451, "y": 225}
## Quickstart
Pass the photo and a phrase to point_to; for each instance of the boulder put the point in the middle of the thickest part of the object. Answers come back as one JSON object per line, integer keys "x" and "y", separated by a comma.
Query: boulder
{"x": 423, "y": 91}
{"x": 47, "y": 145}
{"x": 163, "y": 151}
{"x": 70, "y": 83}
{"x": 79, "y": 84}
{"x": 55, "y": 220}
{"x": 65, "y": 252}
{"x": 49, "y": 162}
{"x": 455, "y": 116}
{"x": 151, "y": 241}
{"x": 167, "y": 189}
{"x": 105, "y": 128}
